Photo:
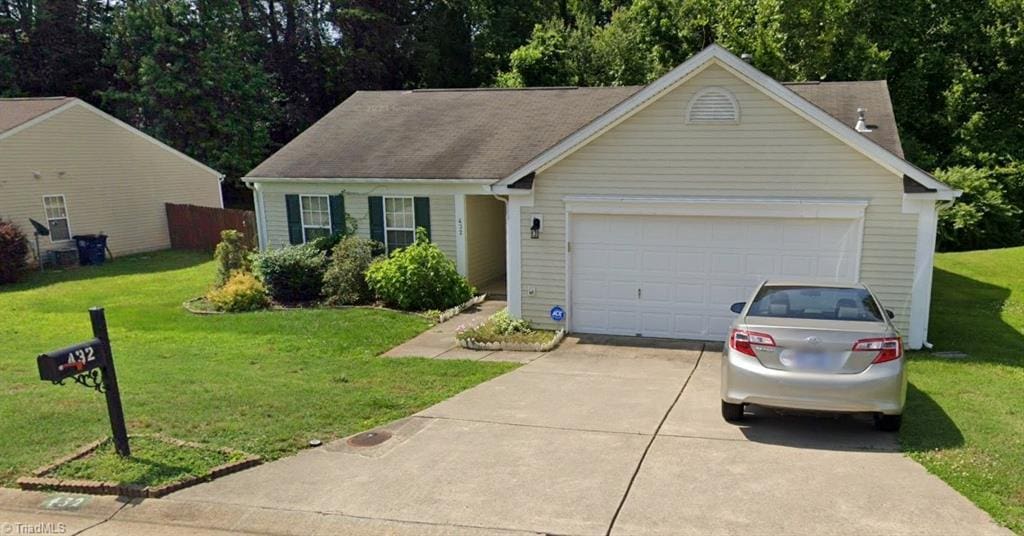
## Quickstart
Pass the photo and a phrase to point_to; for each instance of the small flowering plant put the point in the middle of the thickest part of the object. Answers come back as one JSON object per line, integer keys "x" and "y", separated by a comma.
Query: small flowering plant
{"x": 501, "y": 327}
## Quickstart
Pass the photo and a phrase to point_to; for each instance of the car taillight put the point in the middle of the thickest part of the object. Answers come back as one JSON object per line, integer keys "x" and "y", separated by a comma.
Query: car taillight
{"x": 889, "y": 348}
{"x": 743, "y": 341}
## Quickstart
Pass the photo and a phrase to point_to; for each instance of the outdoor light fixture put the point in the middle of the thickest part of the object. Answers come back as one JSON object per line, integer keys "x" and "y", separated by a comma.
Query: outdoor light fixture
{"x": 535, "y": 227}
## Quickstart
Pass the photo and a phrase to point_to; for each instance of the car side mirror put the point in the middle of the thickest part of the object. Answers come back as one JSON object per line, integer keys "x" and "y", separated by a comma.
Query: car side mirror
{"x": 890, "y": 314}
{"x": 737, "y": 307}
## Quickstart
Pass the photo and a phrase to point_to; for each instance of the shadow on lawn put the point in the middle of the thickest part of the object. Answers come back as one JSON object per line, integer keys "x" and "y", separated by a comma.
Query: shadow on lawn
{"x": 966, "y": 317}
{"x": 926, "y": 426}
{"x": 140, "y": 263}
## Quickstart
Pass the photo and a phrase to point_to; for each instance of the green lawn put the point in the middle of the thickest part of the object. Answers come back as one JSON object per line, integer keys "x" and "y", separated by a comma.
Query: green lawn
{"x": 263, "y": 383}
{"x": 153, "y": 463}
{"x": 965, "y": 418}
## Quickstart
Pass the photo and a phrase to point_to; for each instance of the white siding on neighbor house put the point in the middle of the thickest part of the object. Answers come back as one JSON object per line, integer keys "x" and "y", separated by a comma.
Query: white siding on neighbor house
{"x": 442, "y": 208}
{"x": 114, "y": 181}
{"x": 485, "y": 236}
{"x": 772, "y": 152}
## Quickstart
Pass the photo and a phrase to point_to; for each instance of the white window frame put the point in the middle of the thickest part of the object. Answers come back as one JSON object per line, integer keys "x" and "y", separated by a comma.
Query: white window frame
{"x": 302, "y": 215}
{"x": 384, "y": 210}
{"x": 67, "y": 218}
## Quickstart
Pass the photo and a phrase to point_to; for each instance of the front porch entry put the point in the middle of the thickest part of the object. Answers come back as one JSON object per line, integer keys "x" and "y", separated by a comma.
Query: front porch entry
{"x": 482, "y": 231}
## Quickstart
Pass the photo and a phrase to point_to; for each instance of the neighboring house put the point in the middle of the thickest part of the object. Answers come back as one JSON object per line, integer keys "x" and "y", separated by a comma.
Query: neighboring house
{"x": 639, "y": 211}
{"x": 78, "y": 170}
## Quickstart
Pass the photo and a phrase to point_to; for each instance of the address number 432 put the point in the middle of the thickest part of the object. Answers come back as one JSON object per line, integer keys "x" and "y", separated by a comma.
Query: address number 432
{"x": 79, "y": 357}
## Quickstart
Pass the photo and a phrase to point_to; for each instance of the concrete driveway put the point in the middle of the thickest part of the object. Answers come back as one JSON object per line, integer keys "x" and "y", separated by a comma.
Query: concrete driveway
{"x": 602, "y": 436}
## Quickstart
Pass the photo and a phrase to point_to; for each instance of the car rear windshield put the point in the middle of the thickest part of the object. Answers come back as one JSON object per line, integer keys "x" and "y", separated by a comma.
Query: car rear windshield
{"x": 823, "y": 303}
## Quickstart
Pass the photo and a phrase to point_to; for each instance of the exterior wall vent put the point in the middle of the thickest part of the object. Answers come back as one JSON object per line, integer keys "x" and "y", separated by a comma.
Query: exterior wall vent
{"x": 713, "y": 105}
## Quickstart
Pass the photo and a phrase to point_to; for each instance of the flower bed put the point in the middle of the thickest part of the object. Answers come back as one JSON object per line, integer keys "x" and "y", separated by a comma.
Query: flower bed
{"x": 502, "y": 332}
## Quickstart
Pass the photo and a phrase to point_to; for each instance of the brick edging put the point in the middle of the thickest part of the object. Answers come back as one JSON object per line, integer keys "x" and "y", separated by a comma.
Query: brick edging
{"x": 40, "y": 482}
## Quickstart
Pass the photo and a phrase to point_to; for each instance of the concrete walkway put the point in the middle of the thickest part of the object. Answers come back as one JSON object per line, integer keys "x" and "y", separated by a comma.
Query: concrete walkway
{"x": 439, "y": 341}
{"x": 602, "y": 436}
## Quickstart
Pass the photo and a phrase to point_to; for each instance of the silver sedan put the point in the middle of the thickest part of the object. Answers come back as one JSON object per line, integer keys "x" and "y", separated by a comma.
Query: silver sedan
{"x": 815, "y": 347}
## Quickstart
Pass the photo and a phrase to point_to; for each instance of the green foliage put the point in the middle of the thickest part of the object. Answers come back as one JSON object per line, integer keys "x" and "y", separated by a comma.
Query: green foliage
{"x": 292, "y": 274}
{"x": 506, "y": 324}
{"x": 327, "y": 243}
{"x": 418, "y": 277}
{"x": 13, "y": 252}
{"x": 232, "y": 255}
{"x": 191, "y": 76}
{"x": 503, "y": 327}
{"x": 345, "y": 279}
{"x": 241, "y": 292}
{"x": 982, "y": 217}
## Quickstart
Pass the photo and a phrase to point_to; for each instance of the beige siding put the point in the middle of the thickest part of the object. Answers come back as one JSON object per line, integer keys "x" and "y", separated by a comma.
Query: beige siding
{"x": 485, "y": 238}
{"x": 114, "y": 181}
{"x": 772, "y": 153}
{"x": 442, "y": 209}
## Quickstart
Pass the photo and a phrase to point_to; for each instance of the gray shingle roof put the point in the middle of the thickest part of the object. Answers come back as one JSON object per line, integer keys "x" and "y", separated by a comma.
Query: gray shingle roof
{"x": 447, "y": 134}
{"x": 841, "y": 100}
{"x": 14, "y": 112}
{"x": 489, "y": 133}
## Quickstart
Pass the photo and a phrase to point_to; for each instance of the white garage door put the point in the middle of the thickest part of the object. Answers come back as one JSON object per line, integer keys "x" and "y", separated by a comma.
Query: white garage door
{"x": 675, "y": 276}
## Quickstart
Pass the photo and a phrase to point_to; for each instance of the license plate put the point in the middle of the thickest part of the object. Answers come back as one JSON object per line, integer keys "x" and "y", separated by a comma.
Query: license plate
{"x": 806, "y": 360}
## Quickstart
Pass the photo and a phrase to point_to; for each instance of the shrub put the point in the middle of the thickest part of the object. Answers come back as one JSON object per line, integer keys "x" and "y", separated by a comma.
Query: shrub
{"x": 982, "y": 217}
{"x": 418, "y": 277}
{"x": 292, "y": 274}
{"x": 503, "y": 327}
{"x": 506, "y": 324}
{"x": 13, "y": 252}
{"x": 345, "y": 279}
{"x": 232, "y": 255}
{"x": 327, "y": 243}
{"x": 241, "y": 292}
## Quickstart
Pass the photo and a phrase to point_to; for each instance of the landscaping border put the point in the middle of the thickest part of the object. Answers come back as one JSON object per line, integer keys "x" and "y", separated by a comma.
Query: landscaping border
{"x": 448, "y": 314}
{"x": 40, "y": 482}
{"x": 473, "y": 344}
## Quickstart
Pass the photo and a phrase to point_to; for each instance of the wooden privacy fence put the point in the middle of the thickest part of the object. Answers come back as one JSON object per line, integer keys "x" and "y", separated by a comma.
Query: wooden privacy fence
{"x": 194, "y": 227}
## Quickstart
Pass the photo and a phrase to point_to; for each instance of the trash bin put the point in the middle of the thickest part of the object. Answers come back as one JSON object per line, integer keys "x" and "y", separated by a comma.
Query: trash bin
{"x": 91, "y": 249}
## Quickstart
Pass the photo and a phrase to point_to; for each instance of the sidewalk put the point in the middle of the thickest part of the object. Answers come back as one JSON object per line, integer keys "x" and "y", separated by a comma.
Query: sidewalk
{"x": 31, "y": 512}
{"x": 439, "y": 341}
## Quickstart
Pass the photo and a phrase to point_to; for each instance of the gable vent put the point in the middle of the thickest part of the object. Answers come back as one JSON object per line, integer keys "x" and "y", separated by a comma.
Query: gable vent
{"x": 713, "y": 105}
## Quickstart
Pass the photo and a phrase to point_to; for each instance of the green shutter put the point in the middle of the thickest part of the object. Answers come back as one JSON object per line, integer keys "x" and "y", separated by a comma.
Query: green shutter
{"x": 377, "y": 218}
{"x": 337, "y": 214}
{"x": 291, "y": 202}
{"x": 422, "y": 207}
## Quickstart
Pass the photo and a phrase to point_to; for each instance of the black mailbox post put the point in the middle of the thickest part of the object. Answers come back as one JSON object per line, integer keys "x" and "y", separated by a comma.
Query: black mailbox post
{"x": 91, "y": 364}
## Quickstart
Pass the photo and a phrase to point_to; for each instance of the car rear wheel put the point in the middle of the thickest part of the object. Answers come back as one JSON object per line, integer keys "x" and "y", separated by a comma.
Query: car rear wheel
{"x": 888, "y": 423}
{"x": 732, "y": 412}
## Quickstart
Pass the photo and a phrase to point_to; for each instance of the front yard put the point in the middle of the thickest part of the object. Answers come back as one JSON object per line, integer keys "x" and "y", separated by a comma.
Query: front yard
{"x": 264, "y": 383}
{"x": 965, "y": 416}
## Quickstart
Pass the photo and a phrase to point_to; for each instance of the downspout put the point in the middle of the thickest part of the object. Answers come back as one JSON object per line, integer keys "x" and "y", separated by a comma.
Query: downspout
{"x": 939, "y": 207}
{"x": 220, "y": 189}
{"x": 257, "y": 199}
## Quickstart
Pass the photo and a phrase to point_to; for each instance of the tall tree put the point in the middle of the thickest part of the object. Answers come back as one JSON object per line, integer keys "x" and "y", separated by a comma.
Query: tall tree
{"x": 53, "y": 47}
{"x": 189, "y": 75}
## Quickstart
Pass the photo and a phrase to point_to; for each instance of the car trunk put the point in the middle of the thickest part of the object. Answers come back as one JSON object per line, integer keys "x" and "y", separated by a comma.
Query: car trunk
{"x": 815, "y": 345}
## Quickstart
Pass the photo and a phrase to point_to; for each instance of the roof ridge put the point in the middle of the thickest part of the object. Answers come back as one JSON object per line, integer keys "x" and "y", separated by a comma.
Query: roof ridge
{"x": 820, "y": 82}
{"x": 512, "y": 89}
{"x": 12, "y": 99}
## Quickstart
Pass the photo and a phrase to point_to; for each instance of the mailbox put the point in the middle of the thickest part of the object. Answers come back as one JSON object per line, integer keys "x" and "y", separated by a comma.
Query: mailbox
{"x": 72, "y": 361}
